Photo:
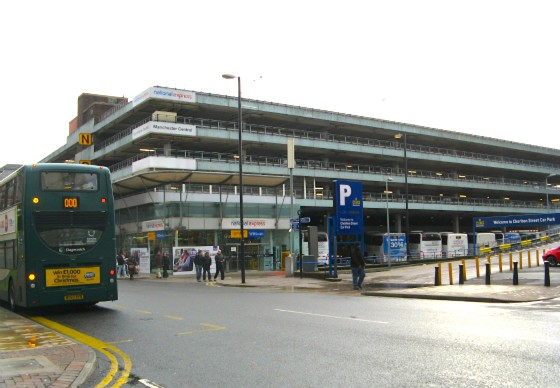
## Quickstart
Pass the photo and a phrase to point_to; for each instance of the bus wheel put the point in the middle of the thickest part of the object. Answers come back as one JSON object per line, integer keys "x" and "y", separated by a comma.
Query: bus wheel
{"x": 12, "y": 296}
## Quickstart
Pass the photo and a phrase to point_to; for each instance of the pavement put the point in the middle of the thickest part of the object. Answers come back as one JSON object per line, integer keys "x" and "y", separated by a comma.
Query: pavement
{"x": 32, "y": 355}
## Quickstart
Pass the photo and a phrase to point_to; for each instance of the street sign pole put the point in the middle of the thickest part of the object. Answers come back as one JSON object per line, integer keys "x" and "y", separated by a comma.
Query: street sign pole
{"x": 300, "y": 255}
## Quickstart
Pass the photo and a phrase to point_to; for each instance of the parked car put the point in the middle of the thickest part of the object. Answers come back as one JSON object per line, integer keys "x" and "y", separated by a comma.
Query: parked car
{"x": 552, "y": 256}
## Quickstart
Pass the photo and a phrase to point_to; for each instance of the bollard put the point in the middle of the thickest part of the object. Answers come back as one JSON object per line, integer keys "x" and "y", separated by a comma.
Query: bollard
{"x": 500, "y": 262}
{"x": 450, "y": 267}
{"x": 521, "y": 260}
{"x": 489, "y": 259}
{"x": 439, "y": 274}
{"x": 546, "y": 274}
{"x": 436, "y": 280}
{"x": 515, "y": 274}
{"x": 511, "y": 261}
{"x": 461, "y": 274}
{"x": 464, "y": 269}
{"x": 537, "y": 256}
{"x": 529, "y": 259}
{"x": 487, "y": 274}
{"x": 477, "y": 264}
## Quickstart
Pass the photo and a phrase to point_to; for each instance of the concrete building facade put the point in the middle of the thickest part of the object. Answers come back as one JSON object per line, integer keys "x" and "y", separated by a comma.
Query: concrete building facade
{"x": 174, "y": 159}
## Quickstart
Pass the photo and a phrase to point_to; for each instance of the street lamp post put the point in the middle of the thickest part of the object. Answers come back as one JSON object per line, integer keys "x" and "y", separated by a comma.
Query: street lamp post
{"x": 241, "y": 222}
{"x": 388, "y": 222}
{"x": 546, "y": 188}
{"x": 407, "y": 221}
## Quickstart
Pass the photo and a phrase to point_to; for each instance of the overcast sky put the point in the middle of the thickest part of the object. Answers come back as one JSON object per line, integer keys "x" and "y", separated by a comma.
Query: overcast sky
{"x": 488, "y": 68}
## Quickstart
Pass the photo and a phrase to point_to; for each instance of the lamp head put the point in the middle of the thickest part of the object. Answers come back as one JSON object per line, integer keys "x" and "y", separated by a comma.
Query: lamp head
{"x": 228, "y": 76}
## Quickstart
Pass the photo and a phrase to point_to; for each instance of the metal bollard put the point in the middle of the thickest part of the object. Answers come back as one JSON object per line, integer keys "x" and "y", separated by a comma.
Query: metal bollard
{"x": 437, "y": 282}
{"x": 461, "y": 277}
{"x": 546, "y": 274}
{"x": 487, "y": 274}
{"x": 450, "y": 267}
{"x": 515, "y": 274}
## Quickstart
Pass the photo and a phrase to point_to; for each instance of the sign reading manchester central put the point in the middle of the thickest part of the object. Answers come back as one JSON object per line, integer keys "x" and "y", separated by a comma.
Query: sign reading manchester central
{"x": 517, "y": 221}
{"x": 349, "y": 208}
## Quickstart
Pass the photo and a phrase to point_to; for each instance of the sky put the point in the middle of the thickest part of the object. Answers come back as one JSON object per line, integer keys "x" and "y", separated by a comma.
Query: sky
{"x": 489, "y": 68}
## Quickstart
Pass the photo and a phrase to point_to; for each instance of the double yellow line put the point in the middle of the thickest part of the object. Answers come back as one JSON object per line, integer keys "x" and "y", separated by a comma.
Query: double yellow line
{"x": 106, "y": 349}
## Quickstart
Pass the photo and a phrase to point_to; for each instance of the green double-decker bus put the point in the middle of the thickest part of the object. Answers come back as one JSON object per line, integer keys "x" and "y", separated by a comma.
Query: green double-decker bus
{"x": 57, "y": 236}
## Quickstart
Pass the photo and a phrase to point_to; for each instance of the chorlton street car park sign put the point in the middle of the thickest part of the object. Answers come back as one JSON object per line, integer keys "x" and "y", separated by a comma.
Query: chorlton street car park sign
{"x": 517, "y": 221}
{"x": 348, "y": 205}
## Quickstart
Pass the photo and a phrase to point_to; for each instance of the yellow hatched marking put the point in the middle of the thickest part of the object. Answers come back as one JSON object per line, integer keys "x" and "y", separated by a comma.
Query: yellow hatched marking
{"x": 98, "y": 345}
{"x": 143, "y": 311}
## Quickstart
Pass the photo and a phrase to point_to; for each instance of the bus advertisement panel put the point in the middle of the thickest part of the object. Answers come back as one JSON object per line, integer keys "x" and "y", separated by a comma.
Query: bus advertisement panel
{"x": 59, "y": 236}
{"x": 377, "y": 246}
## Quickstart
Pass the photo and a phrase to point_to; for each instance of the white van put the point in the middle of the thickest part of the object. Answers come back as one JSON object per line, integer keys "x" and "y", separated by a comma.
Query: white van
{"x": 454, "y": 244}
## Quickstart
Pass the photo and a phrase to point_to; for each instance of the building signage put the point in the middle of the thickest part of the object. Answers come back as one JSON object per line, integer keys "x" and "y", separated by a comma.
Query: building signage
{"x": 163, "y": 128}
{"x": 165, "y": 94}
{"x": 152, "y": 226}
{"x": 517, "y": 221}
{"x": 249, "y": 223}
{"x": 348, "y": 204}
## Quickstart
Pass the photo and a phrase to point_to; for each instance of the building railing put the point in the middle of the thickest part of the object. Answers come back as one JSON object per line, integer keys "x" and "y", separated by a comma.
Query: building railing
{"x": 337, "y": 138}
{"x": 327, "y": 166}
{"x": 367, "y": 196}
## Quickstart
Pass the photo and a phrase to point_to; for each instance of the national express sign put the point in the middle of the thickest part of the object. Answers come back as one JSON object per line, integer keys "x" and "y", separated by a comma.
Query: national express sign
{"x": 516, "y": 221}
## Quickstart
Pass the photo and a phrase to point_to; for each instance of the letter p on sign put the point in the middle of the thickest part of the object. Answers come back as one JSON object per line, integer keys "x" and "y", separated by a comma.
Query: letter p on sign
{"x": 344, "y": 192}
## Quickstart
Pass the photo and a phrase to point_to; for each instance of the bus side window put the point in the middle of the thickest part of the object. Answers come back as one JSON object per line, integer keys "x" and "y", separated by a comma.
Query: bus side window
{"x": 2, "y": 197}
{"x": 9, "y": 255}
{"x": 2, "y": 256}
{"x": 10, "y": 194}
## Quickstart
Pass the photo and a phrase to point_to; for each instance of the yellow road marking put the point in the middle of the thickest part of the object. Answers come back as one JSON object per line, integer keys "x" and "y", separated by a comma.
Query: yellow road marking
{"x": 98, "y": 345}
{"x": 143, "y": 311}
{"x": 209, "y": 326}
{"x": 173, "y": 317}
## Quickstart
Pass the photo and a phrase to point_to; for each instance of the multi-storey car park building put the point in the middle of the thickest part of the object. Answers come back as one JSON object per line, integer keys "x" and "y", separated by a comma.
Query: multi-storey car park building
{"x": 173, "y": 155}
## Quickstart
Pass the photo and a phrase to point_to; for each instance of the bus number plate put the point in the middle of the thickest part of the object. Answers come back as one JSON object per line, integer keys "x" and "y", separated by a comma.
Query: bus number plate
{"x": 74, "y": 297}
{"x": 70, "y": 202}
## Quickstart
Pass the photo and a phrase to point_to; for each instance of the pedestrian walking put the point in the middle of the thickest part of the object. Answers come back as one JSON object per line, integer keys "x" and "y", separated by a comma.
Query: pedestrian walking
{"x": 206, "y": 266}
{"x": 219, "y": 259}
{"x": 120, "y": 265}
{"x": 198, "y": 262}
{"x": 158, "y": 263}
{"x": 358, "y": 266}
{"x": 166, "y": 265}
{"x": 132, "y": 265}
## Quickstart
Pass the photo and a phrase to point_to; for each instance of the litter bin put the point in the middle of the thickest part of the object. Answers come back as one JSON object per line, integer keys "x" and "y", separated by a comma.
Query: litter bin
{"x": 289, "y": 263}
{"x": 309, "y": 264}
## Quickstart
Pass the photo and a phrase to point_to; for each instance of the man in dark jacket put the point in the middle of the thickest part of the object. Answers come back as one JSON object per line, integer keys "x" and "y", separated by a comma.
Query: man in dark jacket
{"x": 206, "y": 266}
{"x": 358, "y": 266}
{"x": 198, "y": 263}
{"x": 219, "y": 258}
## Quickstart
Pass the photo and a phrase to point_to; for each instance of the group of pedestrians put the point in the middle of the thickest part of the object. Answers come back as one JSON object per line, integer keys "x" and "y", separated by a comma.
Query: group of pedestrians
{"x": 161, "y": 264}
{"x": 126, "y": 265}
{"x": 203, "y": 262}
